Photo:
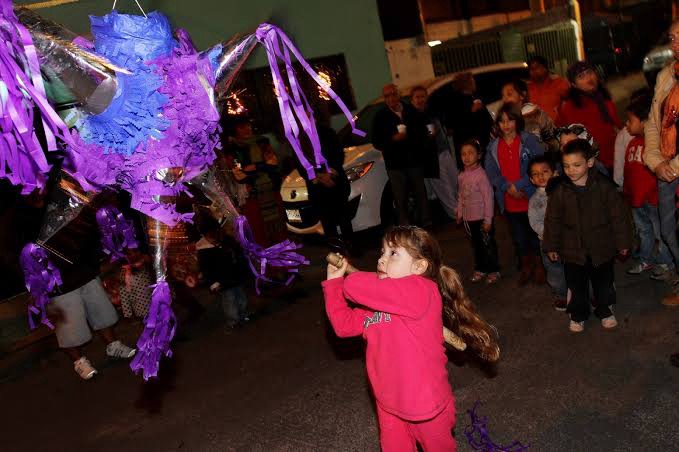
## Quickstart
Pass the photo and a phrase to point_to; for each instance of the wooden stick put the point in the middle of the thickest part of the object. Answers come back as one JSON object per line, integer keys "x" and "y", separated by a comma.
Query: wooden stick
{"x": 451, "y": 338}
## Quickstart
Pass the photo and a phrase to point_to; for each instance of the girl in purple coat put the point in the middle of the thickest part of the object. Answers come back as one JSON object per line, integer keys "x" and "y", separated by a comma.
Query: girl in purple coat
{"x": 475, "y": 209}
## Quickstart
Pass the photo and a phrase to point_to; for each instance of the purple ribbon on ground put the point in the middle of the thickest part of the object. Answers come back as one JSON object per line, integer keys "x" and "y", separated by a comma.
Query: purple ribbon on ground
{"x": 159, "y": 328}
{"x": 479, "y": 438}
{"x": 294, "y": 105}
{"x": 117, "y": 232}
{"x": 41, "y": 277}
{"x": 281, "y": 255}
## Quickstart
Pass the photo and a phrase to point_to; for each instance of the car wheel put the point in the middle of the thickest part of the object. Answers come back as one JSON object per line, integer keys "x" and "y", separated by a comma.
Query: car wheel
{"x": 387, "y": 208}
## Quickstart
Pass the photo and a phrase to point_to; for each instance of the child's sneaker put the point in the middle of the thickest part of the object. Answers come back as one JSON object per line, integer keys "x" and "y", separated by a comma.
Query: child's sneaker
{"x": 478, "y": 276}
{"x": 640, "y": 268}
{"x": 117, "y": 349}
{"x": 661, "y": 272}
{"x": 492, "y": 278}
{"x": 560, "y": 304}
{"x": 84, "y": 368}
{"x": 577, "y": 327}
{"x": 609, "y": 322}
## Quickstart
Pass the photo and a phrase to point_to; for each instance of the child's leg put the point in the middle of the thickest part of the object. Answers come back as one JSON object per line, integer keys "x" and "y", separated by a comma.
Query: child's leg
{"x": 228, "y": 300}
{"x": 603, "y": 285}
{"x": 646, "y": 236}
{"x": 663, "y": 255}
{"x": 577, "y": 279}
{"x": 555, "y": 277}
{"x": 436, "y": 435}
{"x": 241, "y": 302}
{"x": 395, "y": 434}
{"x": 477, "y": 245}
{"x": 490, "y": 251}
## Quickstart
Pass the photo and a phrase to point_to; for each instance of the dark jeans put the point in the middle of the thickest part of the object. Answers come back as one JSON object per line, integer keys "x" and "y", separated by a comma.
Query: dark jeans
{"x": 485, "y": 248}
{"x": 667, "y": 210}
{"x": 402, "y": 180}
{"x": 526, "y": 242}
{"x": 578, "y": 279}
{"x": 333, "y": 208}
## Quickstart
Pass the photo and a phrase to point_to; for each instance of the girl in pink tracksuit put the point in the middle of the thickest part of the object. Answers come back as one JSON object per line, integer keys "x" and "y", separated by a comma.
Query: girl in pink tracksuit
{"x": 399, "y": 312}
{"x": 475, "y": 209}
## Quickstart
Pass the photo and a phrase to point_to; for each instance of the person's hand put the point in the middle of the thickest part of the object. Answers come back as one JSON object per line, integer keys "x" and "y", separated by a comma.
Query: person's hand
{"x": 665, "y": 172}
{"x": 250, "y": 168}
{"x": 337, "y": 272}
{"x": 459, "y": 220}
{"x": 477, "y": 105}
{"x": 553, "y": 256}
{"x": 514, "y": 193}
{"x": 486, "y": 227}
{"x": 325, "y": 179}
{"x": 214, "y": 288}
{"x": 400, "y": 136}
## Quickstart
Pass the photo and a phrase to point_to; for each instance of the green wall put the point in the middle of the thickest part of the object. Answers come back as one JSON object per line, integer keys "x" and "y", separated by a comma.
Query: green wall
{"x": 318, "y": 28}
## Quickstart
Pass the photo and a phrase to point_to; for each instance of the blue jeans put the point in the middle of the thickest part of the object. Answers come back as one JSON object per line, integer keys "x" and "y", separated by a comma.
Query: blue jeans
{"x": 647, "y": 222}
{"x": 234, "y": 303}
{"x": 556, "y": 277}
{"x": 667, "y": 209}
{"x": 526, "y": 242}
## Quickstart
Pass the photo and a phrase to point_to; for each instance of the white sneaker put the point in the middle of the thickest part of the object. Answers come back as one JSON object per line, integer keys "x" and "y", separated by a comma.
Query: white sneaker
{"x": 84, "y": 368}
{"x": 609, "y": 322}
{"x": 640, "y": 268}
{"x": 117, "y": 349}
{"x": 577, "y": 327}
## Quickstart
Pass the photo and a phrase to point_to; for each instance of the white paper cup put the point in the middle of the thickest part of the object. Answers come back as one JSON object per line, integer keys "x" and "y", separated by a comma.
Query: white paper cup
{"x": 401, "y": 128}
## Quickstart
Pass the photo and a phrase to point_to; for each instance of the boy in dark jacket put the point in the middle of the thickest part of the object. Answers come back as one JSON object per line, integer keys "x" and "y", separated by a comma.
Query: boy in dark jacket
{"x": 223, "y": 267}
{"x": 586, "y": 225}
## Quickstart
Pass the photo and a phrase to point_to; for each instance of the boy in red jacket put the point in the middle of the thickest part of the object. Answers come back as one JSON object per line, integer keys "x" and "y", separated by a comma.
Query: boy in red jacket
{"x": 640, "y": 187}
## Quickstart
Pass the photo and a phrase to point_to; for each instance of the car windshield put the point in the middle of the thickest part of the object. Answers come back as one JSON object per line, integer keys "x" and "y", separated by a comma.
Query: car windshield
{"x": 488, "y": 89}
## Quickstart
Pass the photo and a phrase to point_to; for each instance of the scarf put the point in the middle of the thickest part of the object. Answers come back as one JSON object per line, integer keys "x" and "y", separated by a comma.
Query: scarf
{"x": 670, "y": 113}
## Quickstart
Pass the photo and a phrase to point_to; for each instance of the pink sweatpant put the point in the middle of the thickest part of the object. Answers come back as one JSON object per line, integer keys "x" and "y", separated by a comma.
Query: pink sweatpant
{"x": 434, "y": 435}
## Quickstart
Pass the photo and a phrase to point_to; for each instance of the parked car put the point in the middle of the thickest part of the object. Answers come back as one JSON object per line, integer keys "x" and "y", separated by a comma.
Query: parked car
{"x": 370, "y": 199}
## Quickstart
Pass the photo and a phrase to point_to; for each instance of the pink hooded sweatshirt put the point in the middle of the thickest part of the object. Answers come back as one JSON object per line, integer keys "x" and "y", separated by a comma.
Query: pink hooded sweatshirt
{"x": 401, "y": 321}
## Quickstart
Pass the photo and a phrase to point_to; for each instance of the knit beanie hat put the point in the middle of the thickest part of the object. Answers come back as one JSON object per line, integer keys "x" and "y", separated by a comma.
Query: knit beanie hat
{"x": 578, "y": 68}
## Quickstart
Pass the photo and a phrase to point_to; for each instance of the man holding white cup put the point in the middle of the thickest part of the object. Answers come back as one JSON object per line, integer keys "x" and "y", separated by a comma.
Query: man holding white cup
{"x": 395, "y": 129}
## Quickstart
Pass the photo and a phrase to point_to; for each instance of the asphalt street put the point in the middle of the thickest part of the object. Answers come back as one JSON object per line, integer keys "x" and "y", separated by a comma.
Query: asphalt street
{"x": 285, "y": 383}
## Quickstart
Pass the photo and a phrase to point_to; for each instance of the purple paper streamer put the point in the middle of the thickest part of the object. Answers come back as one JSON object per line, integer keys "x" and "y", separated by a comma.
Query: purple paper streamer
{"x": 22, "y": 158}
{"x": 294, "y": 106}
{"x": 117, "y": 232}
{"x": 41, "y": 277}
{"x": 479, "y": 438}
{"x": 281, "y": 255}
{"x": 159, "y": 328}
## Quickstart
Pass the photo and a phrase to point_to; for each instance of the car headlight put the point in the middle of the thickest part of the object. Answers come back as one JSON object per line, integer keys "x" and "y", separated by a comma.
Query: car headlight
{"x": 358, "y": 171}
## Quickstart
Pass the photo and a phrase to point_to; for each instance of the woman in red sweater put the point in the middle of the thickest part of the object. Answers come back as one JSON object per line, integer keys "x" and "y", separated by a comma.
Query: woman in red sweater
{"x": 589, "y": 103}
{"x": 399, "y": 313}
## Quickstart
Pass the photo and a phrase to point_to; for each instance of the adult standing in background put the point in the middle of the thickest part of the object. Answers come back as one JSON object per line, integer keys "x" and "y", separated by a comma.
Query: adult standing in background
{"x": 545, "y": 89}
{"x": 395, "y": 132}
{"x": 661, "y": 154}
{"x": 443, "y": 181}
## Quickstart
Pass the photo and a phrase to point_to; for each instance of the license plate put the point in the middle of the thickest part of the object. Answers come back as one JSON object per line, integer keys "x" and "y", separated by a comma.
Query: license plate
{"x": 293, "y": 215}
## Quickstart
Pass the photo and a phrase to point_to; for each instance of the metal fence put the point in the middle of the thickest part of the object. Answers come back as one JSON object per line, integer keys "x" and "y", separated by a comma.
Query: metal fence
{"x": 557, "y": 44}
{"x": 455, "y": 58}
{"x": 552, "y": 35}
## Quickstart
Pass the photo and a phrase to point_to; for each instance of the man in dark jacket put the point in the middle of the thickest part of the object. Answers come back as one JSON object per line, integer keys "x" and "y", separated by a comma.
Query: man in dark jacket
{"x": 395, "y": 133}
{"x": 587, "y": 224}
